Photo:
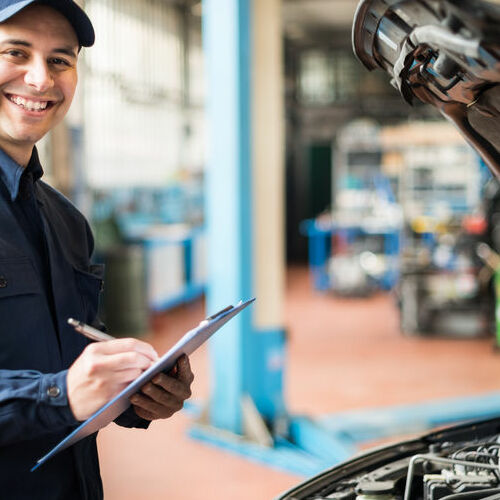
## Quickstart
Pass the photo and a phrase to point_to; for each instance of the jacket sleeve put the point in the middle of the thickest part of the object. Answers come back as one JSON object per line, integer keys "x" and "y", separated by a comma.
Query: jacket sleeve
{"x": 32, "y": 405}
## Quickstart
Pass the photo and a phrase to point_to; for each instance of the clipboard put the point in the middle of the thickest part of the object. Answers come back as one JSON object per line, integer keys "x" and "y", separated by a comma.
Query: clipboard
{"x": 117, "y": 405}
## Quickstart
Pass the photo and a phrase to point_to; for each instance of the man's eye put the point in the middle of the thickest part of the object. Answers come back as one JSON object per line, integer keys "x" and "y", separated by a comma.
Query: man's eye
{"x": 57, "y": 61}
{"x": 15, "y": 53}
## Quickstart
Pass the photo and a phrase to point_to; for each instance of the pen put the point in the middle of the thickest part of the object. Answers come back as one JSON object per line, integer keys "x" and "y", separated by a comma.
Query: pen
{"x": 89, "y": 331}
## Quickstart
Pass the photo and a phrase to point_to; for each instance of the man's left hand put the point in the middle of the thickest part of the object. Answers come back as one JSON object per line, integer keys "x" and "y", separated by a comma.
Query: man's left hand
{"x": 165, "y": 394}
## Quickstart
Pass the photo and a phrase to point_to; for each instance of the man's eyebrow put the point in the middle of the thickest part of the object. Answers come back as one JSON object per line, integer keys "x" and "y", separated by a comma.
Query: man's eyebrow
{"x": 68, "y": 50}
{"x": 14, "y": 41}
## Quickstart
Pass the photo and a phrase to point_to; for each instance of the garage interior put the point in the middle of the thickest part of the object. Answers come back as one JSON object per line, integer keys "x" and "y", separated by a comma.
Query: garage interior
{"x": 297, "y": 176}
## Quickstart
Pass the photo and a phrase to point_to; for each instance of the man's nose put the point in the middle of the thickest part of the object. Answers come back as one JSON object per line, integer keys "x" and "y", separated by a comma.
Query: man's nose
{"x": 38, "y": 76}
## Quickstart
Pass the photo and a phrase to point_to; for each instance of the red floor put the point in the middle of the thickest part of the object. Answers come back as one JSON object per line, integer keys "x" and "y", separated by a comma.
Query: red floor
{"x": 342, "y": 354}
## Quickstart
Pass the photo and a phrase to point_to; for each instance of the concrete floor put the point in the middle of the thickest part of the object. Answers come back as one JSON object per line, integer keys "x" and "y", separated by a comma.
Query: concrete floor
{"x": 342, "y": 354}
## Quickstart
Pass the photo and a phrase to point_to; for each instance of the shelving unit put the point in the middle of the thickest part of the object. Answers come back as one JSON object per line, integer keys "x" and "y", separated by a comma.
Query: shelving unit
{"x": 438, "y": 173}
{"x": 362, "y": 231}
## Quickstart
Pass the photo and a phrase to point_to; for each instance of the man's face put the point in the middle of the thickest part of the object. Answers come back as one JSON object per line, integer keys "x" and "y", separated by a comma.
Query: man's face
{"x": 38, "y": 56}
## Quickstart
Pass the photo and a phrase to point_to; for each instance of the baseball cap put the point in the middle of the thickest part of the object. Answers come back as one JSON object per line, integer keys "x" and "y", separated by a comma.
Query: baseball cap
{"x": 68, "y": 8}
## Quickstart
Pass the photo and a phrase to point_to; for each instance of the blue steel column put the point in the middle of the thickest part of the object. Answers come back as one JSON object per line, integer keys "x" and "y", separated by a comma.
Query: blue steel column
{"x": 226, "y": 38}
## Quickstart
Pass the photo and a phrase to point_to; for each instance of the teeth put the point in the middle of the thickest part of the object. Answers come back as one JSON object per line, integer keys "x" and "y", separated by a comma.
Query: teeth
{"x": 29, "y": 105}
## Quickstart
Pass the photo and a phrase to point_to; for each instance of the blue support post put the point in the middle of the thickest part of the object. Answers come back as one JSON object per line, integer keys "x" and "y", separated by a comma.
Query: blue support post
{"x": 226, "y": 33}
{"x": 265, "y": 367}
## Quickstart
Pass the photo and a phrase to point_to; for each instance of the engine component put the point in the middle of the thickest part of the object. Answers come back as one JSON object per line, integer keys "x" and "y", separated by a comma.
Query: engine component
{"x": 442, "y": 52}
{"x": 460, "y": 476}
{"x": 375, "y": 490}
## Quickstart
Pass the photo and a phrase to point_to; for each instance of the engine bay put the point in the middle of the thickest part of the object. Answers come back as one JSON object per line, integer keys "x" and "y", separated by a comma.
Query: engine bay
{"x": 460, "y": 463}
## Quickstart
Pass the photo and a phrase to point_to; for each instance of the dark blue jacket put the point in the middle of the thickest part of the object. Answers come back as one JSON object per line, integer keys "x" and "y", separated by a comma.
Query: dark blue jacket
{"x": 45, "y": 277}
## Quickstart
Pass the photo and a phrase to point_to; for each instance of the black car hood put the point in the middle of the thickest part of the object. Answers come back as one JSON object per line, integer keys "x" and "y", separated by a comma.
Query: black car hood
{"x": 390, "y": 464}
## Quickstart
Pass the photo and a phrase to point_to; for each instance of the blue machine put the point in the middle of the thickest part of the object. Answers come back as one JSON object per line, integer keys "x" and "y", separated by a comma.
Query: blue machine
{"x": 320, "y": 250}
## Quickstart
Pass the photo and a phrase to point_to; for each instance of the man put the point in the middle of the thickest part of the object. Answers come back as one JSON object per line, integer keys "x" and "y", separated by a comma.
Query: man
{"x": 50, "y": 378}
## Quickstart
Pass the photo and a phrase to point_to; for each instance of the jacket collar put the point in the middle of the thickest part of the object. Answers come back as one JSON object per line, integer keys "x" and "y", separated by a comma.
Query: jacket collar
{"x": 11, "y": 172}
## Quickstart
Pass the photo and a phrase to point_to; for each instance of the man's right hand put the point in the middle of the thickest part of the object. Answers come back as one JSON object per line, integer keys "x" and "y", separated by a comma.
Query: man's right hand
{"x": 103, "y": 370}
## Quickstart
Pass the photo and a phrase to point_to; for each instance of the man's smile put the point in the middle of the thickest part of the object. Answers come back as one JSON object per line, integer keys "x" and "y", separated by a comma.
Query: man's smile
{"x": 30, "y": 104}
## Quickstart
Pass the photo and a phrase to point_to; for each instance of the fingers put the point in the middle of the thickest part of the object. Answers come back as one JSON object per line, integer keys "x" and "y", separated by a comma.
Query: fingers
{"x": 116, "y": 356}
{"x": 184, "y": 373}
{"x": 126, "y": 376}
{"x": 125, "y": 361}
{"x": 124, "y": 345}
{"x": 169, "y": 384}
{"x": 169, "y": 405}
{"x": 165, "y": 394}
{"x": 141, "y": 412}
{"x": 104, "y": 369}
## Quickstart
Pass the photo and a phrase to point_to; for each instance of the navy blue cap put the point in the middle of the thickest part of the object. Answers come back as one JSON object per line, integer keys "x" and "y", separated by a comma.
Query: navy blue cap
{"x": 68, "y": 8}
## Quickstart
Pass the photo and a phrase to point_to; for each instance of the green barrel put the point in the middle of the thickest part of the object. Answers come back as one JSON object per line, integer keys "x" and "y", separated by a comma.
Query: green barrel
{"x": 125, "y": 296}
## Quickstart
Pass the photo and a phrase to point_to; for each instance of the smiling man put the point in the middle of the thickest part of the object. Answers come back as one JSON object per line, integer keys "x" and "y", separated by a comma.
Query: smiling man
{"x": 50, "y": 377}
